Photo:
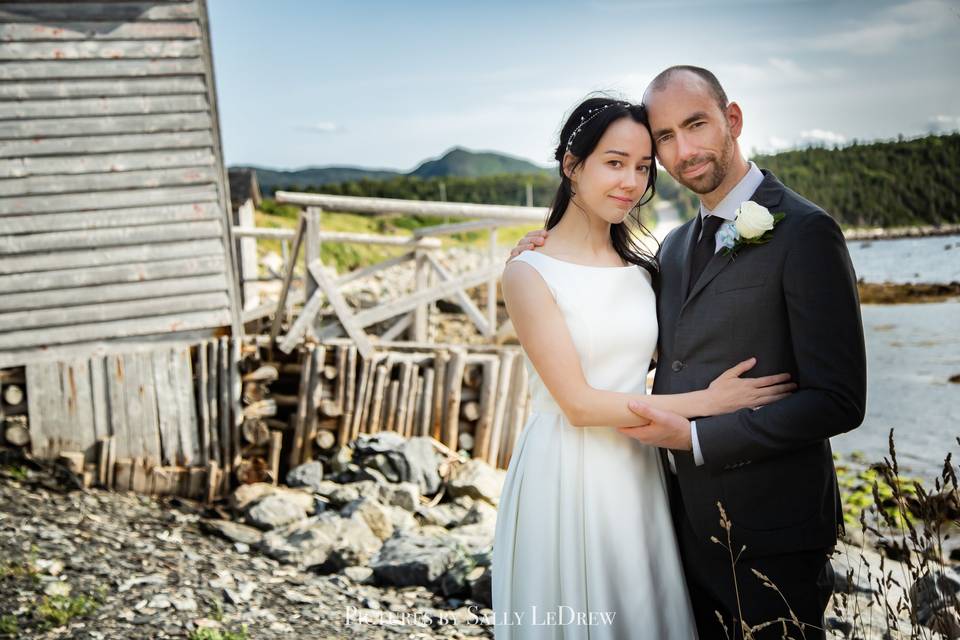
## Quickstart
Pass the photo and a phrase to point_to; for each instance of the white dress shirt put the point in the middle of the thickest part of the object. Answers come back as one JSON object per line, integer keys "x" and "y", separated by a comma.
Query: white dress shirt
{"x": 726, "y": 209}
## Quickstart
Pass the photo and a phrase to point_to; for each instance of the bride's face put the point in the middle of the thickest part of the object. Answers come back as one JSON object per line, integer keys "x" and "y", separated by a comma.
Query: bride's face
{"x": 614, "y": 177}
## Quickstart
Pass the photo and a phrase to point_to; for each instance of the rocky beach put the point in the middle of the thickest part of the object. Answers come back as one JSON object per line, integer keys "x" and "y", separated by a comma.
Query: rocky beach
{"x": 384, "y": 538}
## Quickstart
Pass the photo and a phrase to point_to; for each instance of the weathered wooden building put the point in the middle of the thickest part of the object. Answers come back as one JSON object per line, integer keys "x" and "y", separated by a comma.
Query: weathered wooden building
{"x": 116, "y": 253}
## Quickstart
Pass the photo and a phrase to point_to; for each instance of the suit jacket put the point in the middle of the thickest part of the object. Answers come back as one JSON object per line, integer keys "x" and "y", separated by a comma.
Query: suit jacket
{"x": 793, "y": 304}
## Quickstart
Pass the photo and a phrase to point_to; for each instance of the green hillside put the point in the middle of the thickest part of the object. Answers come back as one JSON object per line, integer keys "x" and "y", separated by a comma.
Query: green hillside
{"x": 899, "y": 183}
{"x": 463, "y": 163}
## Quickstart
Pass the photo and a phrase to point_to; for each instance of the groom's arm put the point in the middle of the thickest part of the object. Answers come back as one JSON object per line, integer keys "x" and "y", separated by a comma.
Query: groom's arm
{"x": 823, "y": 309}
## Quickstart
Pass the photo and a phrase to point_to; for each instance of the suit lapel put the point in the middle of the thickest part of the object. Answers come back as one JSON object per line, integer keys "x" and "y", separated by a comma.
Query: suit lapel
{"x": 689, "y": 240}
{"x": 768, "y": 194}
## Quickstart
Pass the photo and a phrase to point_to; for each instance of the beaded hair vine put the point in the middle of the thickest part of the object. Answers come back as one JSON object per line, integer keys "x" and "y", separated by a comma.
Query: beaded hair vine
{"x": 590, "y": 115}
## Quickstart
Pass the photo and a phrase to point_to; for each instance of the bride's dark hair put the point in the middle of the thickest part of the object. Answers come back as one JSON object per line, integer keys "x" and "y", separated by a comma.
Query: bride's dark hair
{"x": 587, "y": 124}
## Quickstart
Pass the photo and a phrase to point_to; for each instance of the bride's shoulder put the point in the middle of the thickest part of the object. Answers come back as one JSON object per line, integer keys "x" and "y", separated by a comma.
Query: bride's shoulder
{"x": 524, "y": 274}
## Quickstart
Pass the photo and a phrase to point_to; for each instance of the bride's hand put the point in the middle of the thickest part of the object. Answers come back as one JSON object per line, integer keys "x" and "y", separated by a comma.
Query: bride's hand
{"x": 729, "y": 392}
{"x": 533, "y": 239}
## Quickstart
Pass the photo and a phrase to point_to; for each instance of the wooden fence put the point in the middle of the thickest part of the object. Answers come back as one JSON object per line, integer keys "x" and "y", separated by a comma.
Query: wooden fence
{"x": 432, "y": 280}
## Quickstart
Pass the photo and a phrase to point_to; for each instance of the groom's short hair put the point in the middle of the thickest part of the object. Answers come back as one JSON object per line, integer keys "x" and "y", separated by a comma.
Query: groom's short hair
{"x": 663, "y": 78}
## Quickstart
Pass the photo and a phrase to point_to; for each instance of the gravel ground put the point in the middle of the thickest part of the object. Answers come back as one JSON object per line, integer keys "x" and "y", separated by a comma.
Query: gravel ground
{"x": 97, "y": 564}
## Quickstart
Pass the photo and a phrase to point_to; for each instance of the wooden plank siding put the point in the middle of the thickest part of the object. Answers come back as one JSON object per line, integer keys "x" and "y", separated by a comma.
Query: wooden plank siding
{"x": 114, "y": 209}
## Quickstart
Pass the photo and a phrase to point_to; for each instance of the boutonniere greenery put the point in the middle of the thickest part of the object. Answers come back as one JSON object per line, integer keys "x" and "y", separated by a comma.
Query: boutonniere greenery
{"x": 753, "y": 225}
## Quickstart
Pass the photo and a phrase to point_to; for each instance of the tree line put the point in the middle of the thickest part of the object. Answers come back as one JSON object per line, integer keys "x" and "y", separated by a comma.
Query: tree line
{"x": 897, "y": 183}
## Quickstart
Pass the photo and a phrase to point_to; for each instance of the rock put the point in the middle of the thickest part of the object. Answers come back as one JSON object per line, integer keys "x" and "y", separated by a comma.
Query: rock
{"x": 185, "y": 602}
{"x": 57, "y": 588}
{"x": 401, "y": 460}
{"x": 359, "y": 575}
{"x": 233, "y": 531}
{"x": 405, "y": 495}
{"x": 308, "y": 475}
{"x": 480, "y": 513}
{"x": 849, "y": 579}
{"x": 933, "y": 592}
{"x": 377, "y": 517}
{"x": 341, "y": 494}
{"x": 480, "y": 580}
{"x": 247, "y": 495}
{"x": 402, "y": 519}
{"x": 414, "y": 558}
{"x": 422, "y": 462}
{"x": 454, "y": 581}
{"x": 446, "y": 514}
{"x": 478, "y": 480}
{"x": 340, "y": 458}
{"x": 477, "y": 538}
{"x": 327, "y": 541}
{"x": 275, "y": 511}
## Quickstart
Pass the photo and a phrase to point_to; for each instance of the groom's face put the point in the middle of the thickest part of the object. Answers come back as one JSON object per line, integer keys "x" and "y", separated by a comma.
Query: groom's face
{"x": 693, "y": 137}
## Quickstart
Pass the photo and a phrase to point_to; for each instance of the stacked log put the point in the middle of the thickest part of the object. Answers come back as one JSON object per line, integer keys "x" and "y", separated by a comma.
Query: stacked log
{"x": 13, "y": 408}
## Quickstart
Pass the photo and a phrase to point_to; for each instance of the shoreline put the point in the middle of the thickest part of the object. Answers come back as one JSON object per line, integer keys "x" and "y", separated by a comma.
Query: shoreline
{"x": 908, "y": 293}
{"x": 894, "y": 233}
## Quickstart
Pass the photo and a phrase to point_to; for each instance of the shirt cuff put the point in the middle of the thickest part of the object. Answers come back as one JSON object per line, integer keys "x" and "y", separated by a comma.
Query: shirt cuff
{"x": 697, "y": 454}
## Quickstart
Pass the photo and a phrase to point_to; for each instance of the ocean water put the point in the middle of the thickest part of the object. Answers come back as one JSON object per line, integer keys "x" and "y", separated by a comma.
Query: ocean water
{"x": 912, "y": 351}
{"x": 907, "y": 260}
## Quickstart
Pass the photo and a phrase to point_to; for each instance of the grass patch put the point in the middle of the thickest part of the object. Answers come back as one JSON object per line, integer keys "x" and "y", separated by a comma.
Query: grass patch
{"x": 9, "y": 626}
{"x": 16, "y": 472}
{"x": 56, "y": 611}
{"x": 26, "y": 568}
{"x": 217, "y": 634}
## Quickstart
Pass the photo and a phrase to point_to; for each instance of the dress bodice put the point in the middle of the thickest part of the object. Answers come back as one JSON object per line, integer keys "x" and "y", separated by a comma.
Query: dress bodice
{"x": 611, "y": 315}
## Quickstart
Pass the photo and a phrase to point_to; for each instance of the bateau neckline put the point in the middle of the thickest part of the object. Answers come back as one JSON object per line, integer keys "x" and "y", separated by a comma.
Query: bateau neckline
{"x": 585, "y": 266}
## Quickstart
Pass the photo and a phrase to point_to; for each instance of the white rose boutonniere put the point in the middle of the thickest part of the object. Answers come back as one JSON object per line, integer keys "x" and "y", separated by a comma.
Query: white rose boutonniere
{"x": 753, "y": 225}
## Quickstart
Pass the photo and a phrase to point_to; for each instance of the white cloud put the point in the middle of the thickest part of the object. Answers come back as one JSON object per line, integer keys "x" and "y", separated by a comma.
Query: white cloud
{"x": 890, "y": 28}
{"x": 943, "y": 124}
{"x": 821, "y": 136}
{"x": 320, "y": 127}
{"x": 774, "y": 72}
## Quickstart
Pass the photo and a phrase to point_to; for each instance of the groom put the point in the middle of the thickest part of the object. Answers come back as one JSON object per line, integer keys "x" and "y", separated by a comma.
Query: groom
{"x": 792, "y": 303}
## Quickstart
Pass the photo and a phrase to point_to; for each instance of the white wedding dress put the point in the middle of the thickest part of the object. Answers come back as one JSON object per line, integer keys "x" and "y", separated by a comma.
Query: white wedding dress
{"x": 584, "y": 544}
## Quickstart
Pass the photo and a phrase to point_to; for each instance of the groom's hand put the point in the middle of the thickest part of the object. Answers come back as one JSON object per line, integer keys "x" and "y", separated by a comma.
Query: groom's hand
{"x": 533, "y": 239}
{"x": 663, "y": 428}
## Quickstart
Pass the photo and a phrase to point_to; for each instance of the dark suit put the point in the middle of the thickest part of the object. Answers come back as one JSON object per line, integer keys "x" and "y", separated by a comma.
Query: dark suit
{"x": 793, "y": 304}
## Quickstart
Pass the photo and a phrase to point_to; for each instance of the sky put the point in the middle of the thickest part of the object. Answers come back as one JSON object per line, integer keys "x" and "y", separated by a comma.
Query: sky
{"x": 386, "y": 84}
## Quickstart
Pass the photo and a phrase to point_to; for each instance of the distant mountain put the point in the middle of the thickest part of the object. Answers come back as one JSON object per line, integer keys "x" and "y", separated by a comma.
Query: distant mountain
{"x": 271, "y": 179}
{"x": 457, "y": 162}
{"x": 463, "y": 163}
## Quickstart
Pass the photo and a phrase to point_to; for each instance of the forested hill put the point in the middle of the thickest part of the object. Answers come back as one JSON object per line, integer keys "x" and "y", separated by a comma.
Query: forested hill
{"x": 901, "y": 183}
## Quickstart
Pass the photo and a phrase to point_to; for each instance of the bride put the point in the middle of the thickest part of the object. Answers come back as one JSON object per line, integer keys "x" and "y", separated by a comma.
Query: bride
{"x": 584, "y": 544}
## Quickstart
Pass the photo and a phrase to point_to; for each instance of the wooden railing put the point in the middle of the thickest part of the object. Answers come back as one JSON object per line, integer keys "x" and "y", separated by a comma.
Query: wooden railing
{"x": 410, "y": 310}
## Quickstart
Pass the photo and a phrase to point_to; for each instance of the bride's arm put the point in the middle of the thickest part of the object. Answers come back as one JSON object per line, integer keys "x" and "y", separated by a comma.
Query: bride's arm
{"x": 543, "y": 332}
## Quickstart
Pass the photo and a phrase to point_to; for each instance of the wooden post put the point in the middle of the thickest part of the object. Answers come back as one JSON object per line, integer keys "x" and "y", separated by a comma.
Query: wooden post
{"x": 276, "y": 444}
{"x": 314, "y": 390}
{"x": 488, "y": 399}
{"x": 373, "y": 424}
{"x": 311, "y": 247}
{"x": 406, "y": 371}
{"x": 451, "y": 394}
{"x": 426, "y": 405}
{"x": 518, "y": 414}
{"x": 299, "y": 433}
{"x": 492, "y": 287}
{"x": 439, "y": 387}
{"x": 415, "y": 387}
{"x": 421, "y": 314}
{"x": 391, "y": 410}
{"x": 223, "y": 407}
{"x": 248, "y": 257}
{"x": 508, "y": 357}
{"x": 350, "y": 393}
{"x": 291, "y": 262}
{"x": 359, "y": 407}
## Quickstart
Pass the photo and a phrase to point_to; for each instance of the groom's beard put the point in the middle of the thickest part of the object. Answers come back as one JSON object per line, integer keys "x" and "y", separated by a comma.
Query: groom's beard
{"x": 708, "y": 181}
